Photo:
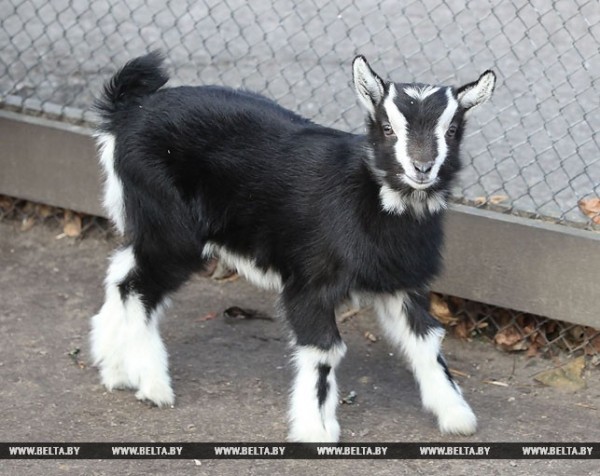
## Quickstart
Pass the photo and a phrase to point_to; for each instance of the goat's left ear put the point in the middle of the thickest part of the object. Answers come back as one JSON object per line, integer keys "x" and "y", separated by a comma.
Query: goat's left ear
{"x": 477, "y": 92}
{"x": 369, "y": 87}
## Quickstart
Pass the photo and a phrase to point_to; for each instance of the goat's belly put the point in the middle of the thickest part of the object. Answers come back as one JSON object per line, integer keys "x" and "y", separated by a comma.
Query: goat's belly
{"x": 247, "y": 267}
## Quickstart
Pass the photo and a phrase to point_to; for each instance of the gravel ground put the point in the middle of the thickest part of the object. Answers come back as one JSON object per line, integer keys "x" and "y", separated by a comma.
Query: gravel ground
{"x": 231, "y": 378}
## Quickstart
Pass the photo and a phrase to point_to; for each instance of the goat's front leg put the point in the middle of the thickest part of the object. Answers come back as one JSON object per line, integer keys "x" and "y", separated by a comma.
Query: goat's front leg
{"x": 407, "y": 324}
{"x": 318, "y": 349}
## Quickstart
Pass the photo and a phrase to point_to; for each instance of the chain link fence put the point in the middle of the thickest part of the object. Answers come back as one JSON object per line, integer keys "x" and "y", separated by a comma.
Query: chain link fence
{"x": 534, "y": 151}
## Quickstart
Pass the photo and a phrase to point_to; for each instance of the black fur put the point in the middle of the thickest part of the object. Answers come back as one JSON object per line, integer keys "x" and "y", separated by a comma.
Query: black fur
{"x": 322, "y": 385}
{"x": 212, "y": 164}
{"x": 319, "y": 213}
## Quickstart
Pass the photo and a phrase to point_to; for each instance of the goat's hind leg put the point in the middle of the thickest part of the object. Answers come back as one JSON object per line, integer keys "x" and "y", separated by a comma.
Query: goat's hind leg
{"x": 408, "y": 324}
{"x": 125, "y": 339}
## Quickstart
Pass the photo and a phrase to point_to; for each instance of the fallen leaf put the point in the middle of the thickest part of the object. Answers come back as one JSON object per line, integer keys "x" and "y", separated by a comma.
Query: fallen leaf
{"x": 370, "y": 336}
{"x": 461, "y": 330}
{"x": 593, "y": 346}
{"x": 6, "y": 203}
{"x": 510, "y": 339}
{"x": 496, "y": 199}
{"x": 71, "y": 224}
{"x": 586, "y": 405}
{"x": 28, "y": 223}
{"x": 44, "y": 211}
{"x": 591, "y": 208}
{"x": 208, "y": 317}
{"x": 480, "y": 201}
{"x": 568, "y": 377}
{"x": 441, "y": 311}
{"x": 533, "y": 350}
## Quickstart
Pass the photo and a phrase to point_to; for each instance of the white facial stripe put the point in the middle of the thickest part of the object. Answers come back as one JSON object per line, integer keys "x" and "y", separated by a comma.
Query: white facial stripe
{"x": 440, "y": 131}
{"x": 400, "y": 126}
{"x": 420, "y": 94}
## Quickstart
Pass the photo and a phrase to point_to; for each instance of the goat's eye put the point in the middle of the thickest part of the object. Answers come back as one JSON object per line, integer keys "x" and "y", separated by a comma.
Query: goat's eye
{"x": 387, "y": 129}
{"x": 451, "y": 132}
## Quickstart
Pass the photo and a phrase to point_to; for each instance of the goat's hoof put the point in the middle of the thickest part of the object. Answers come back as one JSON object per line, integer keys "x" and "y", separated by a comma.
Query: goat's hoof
{"x": 114, "y": 378}
{"x": 458, "y": 420}
{"x": 316, "y": 434}
{"x": 159, "y": 394}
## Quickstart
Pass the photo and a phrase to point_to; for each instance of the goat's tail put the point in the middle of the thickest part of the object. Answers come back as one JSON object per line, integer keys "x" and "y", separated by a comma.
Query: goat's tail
{"x": 138, "y": 78}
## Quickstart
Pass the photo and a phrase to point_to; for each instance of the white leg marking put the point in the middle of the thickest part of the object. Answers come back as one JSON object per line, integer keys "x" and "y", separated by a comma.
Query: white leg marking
{"x": 107, "y": 337}
{"x": 438, "y": 395}
{"x": 113, "y": 187}
{"x": 309, "y": 421}
{"x": 126, "y": 344}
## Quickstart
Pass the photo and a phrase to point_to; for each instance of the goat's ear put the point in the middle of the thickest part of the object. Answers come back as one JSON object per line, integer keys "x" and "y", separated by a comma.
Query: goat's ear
{"x": 477, "y": 92}
{"x": 369, "y": 87}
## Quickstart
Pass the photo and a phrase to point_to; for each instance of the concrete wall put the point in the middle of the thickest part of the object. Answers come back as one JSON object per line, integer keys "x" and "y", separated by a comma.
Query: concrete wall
{"x": 518, "y": 263}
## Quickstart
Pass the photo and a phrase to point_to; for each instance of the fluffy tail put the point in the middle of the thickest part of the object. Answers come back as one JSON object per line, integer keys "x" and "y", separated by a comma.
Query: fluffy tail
{"x": 138, "y": 78}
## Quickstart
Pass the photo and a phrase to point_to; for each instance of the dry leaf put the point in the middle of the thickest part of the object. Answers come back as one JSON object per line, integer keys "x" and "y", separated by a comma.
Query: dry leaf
{"x": 568, "y": 377}
{"x": 593, "y": 346}
{"x": 510, "y": 339}
{"x": 591, "y": 208}
{"x": 533, "y": 350}
{"x": 6, "y": 203}
{"x": 480, "y": 201}
{"x": 27, "y": 223}
{"x": 43, "y": 211}
{"x": 370, "y": 336}
{"x": 496, "y": 199}
{"x": 441, "y": 311}
{"x": 208, "y": 317}
{"x": 461, "y": 330}
{"x": 72, "y": 224}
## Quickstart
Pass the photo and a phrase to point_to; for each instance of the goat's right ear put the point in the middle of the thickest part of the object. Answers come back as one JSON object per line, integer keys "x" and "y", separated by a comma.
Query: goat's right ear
{"x": 369, "y": 87}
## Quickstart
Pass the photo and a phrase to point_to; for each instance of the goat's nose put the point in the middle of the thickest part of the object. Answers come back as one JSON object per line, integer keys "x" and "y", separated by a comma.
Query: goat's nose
{"x": 424, "y": 167}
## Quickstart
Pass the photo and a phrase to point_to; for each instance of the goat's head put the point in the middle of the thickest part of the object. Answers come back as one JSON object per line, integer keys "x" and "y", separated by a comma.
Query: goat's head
{"x": 415, "y": 130}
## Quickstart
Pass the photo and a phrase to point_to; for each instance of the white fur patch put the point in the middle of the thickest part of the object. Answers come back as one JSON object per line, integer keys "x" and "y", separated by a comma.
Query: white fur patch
{"x": 421, "y": 93}
{"x": 419, "y": 201}
{"x": 113, "y": 187}
{"x": 479, "y": 93}
{"x": 438, "y": 395}
{"x": 310, "y": 422}
{"x": 441, "y": 128}
{"x": 126, "y": 343}
{"x": 400, "y": 126}
{"x": 367, "y": 85}
{"x": 247, "y": 267}
{"x": 391, "y": 200}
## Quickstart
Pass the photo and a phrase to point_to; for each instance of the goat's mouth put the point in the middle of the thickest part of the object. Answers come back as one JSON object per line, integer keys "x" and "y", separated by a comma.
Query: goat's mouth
{"x": 419, "y": 183}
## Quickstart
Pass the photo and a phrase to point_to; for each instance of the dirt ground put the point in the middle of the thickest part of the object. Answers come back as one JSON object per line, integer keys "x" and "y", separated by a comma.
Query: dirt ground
{"x": 231, "y": 379}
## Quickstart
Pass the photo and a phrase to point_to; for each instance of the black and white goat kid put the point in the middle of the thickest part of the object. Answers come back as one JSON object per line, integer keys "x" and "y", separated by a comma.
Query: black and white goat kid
{"x": 315, "y": 213}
